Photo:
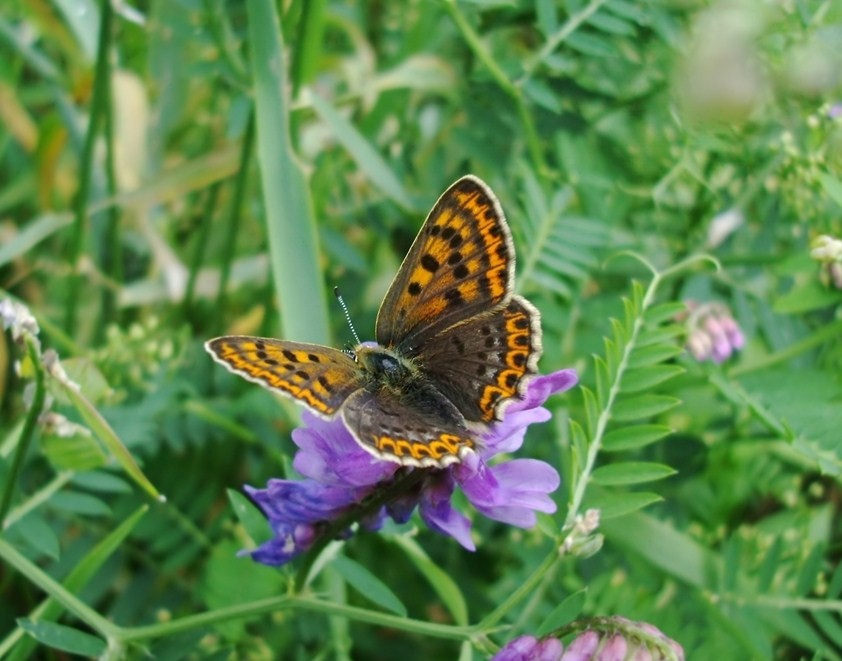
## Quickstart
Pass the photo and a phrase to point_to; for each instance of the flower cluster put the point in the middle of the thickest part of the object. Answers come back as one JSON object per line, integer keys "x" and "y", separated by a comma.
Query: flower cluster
{"x": 828, "y": 250}
{"x": 603, "y": 639}
{"x": 712, "y": 333}
{"x": 341, "y": 477}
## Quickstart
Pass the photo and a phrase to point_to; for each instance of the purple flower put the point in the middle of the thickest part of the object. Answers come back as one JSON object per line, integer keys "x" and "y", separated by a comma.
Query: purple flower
{"x": 599, "y": 639}
{"x": 713, "y": 334}
{"x": 529, "y": 648}
{"x": 340, "y": 475}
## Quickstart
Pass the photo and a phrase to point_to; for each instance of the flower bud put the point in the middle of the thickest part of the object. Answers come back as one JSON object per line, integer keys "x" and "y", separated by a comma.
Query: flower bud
{"x": 712, "y": 333}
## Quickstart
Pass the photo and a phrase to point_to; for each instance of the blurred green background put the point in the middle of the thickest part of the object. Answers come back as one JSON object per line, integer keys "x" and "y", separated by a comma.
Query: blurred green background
{"x": 175, "y": 170}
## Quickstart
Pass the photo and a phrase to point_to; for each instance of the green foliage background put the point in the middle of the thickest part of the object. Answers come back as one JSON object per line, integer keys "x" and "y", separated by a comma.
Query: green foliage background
{"x": 151, "y": 151}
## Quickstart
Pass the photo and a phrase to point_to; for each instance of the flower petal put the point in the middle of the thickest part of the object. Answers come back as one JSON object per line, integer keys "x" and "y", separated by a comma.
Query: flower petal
{"x": 439, "y": 515}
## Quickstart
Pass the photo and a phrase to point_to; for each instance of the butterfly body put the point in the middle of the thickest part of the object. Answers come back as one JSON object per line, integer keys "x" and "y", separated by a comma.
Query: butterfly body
{"x": 454, "y": 345}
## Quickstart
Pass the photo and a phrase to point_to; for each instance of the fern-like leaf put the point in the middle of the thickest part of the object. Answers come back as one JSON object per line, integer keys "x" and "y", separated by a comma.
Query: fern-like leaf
{"x": 633, "y": 368}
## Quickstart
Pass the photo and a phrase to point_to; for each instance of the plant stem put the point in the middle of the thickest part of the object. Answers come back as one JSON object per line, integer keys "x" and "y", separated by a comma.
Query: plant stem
{"x": 99, "y": 106}
{"x": 533, "y": 142}
{"x": 57, "y": 591}
{"x": 521, "y": 592}
{"x": 28, "y": 430}
{"x": 205, "y": 223}
{"x": 112, "y": 244}
{"x": 570, "y": 26}
{"x": 233, "y": 221}
{"x": 286, "y": 602}
{"x": 38, "y": 498}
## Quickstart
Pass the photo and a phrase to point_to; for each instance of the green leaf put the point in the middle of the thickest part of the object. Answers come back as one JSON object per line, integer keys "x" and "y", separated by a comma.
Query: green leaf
{"x": 552, "y": 283}
{"x": 250, "y": 516}
{"x": 809, "y": 570}
{"x": 101, "y": 481}
{"x": 829, "y": 625}
{"x": 612, "y": 24}
{"x": 645, "y": 378}
{"x": 85, "y": 373}
{"x": 612, "y": 505}
{"x": 578, "y": 447}
{"x": 368, "y": 585}
{"x": 642, "y": 406}
{"x": 769, "y": 566}
{"x": 50, "y": 609}
{"x": 291, "y": 225}
{"x": 834, "y": 587}
{"x": 445, "y": 587}
{"x": 631, "y": 472}
{"x": 61, "y": 637}
{"x": 603, "y": 379}
{"x": 78, "y": 452}
{"x": 651, "y": 355}
{"x": 31, "y": 235}
{"x": 567, "y": 611}
{"x": 667, "y": 334}
{"x": 591, "y": 410}
{"x": 662, "y": 312}
{"x": 807, "y": 296}
{"x": 832, "y": 186}
{"x": 612, "y": 355}
{"x": 38, "y": 534}
{"x": 633, "y": 437}
{"x": 99, "y": 425}
{"x": 80, "y": 503}
{"x": 620, "y": 334}
{"x": 228, "y": 579}
{"x": 365, "y": 156}
{"x": 590, "y": 45}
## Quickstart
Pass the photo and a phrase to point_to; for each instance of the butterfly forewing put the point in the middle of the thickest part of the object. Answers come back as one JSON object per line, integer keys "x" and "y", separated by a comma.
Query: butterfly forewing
{"x": 461, "y": 264}
{"x": 317, "y": 376}
{"x": 485, "y": 362}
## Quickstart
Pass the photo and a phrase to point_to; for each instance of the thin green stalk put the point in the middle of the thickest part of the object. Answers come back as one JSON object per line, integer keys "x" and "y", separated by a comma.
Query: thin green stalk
{"x": 19, "y": 42}
{"x": 38, "y": 498}
{"x": 57, "y": 591}
{"x": 205, "y": 224}
{"x": 28, "y": 430}
{"x": 112, "y": 244}
{"x": 533, "y": 141}
{"x": 570, "y": 26}
{"x": 523, "y": 590}
{"x": 99, "y": 106}
{"x": 820, "y": 336}
{"x": 782, "y": 602}
{"x": 233, "y": 222}
{"x": 305, "y": 57}
{"x": 286, "y": 602}
{"x": 226, "y": 41}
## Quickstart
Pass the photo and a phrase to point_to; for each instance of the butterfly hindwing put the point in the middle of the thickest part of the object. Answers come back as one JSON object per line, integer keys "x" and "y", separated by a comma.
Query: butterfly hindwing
{"x": 461, "y": 264}
{"x": 485, "y": 362}
{"x": 396, "y": 429}
{"x": 319, "y": 377}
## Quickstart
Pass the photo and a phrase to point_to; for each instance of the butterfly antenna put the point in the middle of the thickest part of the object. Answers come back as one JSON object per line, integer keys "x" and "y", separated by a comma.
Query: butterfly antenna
{"x": 347, "y": 314}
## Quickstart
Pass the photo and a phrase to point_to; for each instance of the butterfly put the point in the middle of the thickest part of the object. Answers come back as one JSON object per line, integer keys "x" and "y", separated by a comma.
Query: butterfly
{"x": 454, "y": 345}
